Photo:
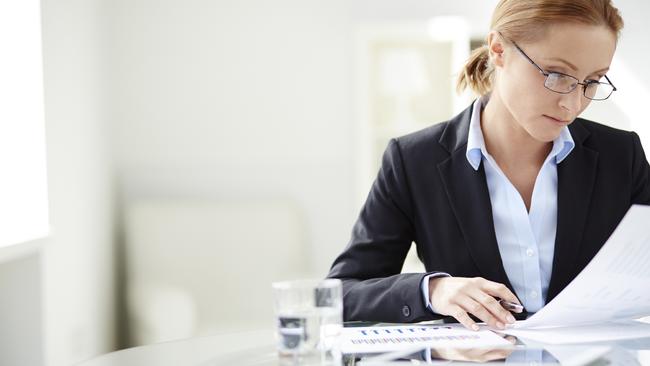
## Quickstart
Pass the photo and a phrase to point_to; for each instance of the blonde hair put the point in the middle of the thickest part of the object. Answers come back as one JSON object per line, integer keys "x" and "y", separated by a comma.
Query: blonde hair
{"x": 526, "y": 20}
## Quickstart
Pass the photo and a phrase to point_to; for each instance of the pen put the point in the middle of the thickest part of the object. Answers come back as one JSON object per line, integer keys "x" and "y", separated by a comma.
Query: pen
{"x": 511, "y": 306}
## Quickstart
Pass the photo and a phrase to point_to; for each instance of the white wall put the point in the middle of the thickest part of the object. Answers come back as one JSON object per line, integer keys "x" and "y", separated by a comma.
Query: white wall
{"x": 477, "y": 13}
{"x": 20, "y": 312}
{"x": 634, "y": 47}
{"x": 78, "y": 317}
{"x": 632, "y": 73}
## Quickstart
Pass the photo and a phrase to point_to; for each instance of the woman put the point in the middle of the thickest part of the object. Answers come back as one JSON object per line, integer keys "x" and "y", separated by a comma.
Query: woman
{"x": 514, "y": 196}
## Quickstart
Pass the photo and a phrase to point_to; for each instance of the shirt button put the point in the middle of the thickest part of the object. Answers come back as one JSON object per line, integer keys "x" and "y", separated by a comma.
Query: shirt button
{"x": 406, "y": 311}
{"x": 530, "y": 252}
{"x": 533, "y": 294}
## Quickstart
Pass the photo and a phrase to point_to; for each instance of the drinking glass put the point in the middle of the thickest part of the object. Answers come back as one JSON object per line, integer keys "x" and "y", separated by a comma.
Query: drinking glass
{"x": 309, "y": 315}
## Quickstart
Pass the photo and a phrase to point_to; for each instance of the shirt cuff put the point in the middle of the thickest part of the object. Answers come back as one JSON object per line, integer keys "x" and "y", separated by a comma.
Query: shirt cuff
{"x": 424, "y": 285}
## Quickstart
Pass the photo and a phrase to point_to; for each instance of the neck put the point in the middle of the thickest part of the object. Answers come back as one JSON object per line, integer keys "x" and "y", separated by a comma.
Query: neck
{"x": 506, "y": 140}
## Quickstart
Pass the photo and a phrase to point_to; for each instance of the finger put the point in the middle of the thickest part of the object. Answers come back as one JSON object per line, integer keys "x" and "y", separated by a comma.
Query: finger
{"x": 497, "y": 354}
{"x": 499, "y": 290}
{"x": 483, "y": 355}
{"x": 459, "y": 314}
{"x": 478, "y": 310}
{"x": 493, "y": 306}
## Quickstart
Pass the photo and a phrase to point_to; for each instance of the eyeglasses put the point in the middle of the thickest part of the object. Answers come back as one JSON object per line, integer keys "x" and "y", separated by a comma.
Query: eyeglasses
{"x": 565, "y": 84}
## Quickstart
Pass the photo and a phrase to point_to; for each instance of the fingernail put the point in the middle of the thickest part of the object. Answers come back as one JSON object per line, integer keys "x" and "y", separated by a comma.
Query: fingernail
{"x": 475, "y": 327}
{"x": 500, "y": 325}
{"x": 511, "y": 319}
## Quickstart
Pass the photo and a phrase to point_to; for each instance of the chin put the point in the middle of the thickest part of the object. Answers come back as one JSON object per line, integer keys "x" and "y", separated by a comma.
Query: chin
{"x": 549, "y": 129}
{"x": 546, "y": 136}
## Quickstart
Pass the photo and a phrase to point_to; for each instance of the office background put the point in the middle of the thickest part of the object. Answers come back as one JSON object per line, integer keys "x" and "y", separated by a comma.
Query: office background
{"x": 197, "y": 150}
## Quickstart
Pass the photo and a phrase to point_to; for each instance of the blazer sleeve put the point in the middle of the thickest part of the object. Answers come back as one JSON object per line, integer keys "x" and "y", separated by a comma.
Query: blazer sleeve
{"x": 640, "y": 174}
{"x": 370, "y": 266}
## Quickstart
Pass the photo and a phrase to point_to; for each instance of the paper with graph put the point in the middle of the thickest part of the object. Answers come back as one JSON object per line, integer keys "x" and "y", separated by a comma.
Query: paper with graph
{"x": 396, "y": 338}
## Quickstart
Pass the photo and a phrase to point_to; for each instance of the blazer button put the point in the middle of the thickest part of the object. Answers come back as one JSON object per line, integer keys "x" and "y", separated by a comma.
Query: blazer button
{"x": 406, "y": 311}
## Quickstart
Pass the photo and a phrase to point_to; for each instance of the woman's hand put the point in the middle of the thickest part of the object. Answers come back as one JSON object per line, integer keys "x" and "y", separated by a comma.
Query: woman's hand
{"x": 460, "y": 296}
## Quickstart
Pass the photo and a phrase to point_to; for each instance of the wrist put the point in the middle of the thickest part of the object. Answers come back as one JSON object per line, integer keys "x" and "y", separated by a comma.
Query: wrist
{"x": 433, "y": 282}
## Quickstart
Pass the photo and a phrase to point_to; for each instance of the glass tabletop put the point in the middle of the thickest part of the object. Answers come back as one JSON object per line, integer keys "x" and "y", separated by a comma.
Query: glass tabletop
{"x": 258, "y": 348}
{"x": 630, "y": 352}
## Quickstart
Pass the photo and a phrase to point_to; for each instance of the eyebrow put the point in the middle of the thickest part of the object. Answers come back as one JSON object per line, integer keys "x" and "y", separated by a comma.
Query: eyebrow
{"x": 573, "y": 67}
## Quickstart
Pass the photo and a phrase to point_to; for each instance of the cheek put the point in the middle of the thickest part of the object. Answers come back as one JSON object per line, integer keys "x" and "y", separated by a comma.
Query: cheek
{"x": 525, "y": 94}
{"x": 585, "y": 103}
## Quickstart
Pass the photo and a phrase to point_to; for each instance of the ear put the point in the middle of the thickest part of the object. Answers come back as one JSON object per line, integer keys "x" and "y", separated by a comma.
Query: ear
{"x": 496, "y": 48}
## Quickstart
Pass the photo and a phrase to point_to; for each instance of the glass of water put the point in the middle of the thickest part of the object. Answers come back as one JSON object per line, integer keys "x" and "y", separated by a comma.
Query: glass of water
{"x": 309, "y": 315}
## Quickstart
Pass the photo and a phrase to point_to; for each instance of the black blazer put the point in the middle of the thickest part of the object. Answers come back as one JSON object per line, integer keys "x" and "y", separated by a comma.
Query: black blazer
{"x": 427, "y": 192}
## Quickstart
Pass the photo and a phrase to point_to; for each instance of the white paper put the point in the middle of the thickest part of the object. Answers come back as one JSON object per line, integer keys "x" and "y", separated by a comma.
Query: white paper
{"x": 608, "y": 331}
{"x": 614, "y": 285}
{"x": 395, "y": 338}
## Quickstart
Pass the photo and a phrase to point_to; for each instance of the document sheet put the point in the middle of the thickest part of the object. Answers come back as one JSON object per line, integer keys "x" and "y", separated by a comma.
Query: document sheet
{"x": 614, "y": 285}
{"x": 609, "y": 331}
{"x": 395, "y": 338}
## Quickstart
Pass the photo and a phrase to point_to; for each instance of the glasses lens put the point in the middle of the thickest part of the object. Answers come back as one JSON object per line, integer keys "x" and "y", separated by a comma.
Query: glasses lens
{"x": 560, "y": 83}
{"x": 598, "y": 91}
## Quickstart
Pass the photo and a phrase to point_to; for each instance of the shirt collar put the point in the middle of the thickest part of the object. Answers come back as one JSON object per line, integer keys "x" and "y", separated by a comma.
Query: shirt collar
{"x": 476, "y": 150}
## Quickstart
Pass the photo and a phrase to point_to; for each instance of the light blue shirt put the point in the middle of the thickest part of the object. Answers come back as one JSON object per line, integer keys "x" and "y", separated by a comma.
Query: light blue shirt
{"x": 526, "y": 239}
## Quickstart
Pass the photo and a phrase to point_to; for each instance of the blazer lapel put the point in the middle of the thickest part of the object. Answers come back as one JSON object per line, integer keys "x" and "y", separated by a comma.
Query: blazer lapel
{"x": 576, "y": 177}
{"x": 469, "y": 199}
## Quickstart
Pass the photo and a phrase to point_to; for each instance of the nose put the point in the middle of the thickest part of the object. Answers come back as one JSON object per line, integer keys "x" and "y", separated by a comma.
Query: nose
{"x": 572, "y": 102}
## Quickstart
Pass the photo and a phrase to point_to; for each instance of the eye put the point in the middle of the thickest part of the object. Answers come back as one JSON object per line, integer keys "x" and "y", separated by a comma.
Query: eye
{"x": 597, "y": 79}
{"x": 561, "y": 75}
{"x": 557, "y": 69}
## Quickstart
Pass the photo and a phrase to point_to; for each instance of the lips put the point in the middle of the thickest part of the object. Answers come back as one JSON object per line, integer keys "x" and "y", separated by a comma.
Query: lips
{"x": 559, "y": 120}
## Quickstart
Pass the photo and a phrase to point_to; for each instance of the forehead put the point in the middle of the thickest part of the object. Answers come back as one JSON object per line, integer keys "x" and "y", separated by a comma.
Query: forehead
{"x": 589, "y": 48}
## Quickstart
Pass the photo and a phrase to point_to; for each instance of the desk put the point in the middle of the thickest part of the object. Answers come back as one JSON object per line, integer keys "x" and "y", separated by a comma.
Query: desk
{"x": 258, "y": 348}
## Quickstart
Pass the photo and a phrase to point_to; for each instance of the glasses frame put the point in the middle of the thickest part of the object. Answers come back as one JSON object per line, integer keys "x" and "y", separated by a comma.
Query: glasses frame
{"x": 577, "y": 82}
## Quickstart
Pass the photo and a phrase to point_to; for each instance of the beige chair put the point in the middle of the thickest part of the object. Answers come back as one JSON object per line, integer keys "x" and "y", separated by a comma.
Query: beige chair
{"x": 200, "y": 267}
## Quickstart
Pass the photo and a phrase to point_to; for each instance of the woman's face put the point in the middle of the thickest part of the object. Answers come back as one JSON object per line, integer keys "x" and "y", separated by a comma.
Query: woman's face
{"x": 582, "y": 51}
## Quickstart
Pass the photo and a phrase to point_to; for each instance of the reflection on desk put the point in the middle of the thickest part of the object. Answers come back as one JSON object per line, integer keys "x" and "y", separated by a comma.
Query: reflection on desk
{"x": 519, "y": 354}
{"x": 258, "y": 348}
